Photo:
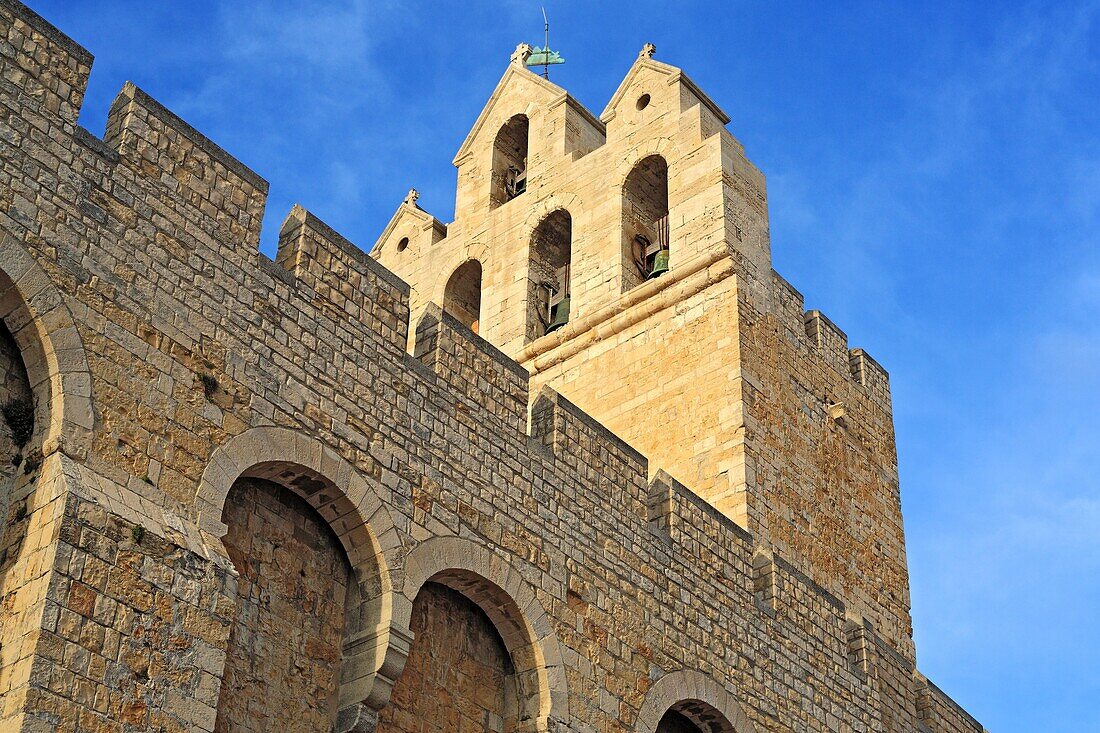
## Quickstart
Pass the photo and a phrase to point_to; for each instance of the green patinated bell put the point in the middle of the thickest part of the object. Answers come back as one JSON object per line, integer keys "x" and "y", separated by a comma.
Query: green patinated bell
{"x": 660, "y": 264}
{"x": 560, "y": 316}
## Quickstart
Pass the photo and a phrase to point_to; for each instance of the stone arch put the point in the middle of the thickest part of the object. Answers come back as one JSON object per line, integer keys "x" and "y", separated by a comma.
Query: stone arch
{"x": 451, "y": 261}
{"x": 462, "y": 294}
{"x": 375, "y": 647}
{"x": 662, "y": 146}
{"x": 549, "y": 264}
{"x": 701, "y": 699}
{"x": 510, "y": 162}
{"x": 645, "y": 218}
{"x": 509, "y": 601}
{"x": 548, "y": 205}
{"x": 34, "y": 311}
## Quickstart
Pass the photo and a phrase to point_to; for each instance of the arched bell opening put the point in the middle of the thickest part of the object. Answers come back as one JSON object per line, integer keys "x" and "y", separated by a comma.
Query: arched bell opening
{"x": 509, "y": 178}
{"x": 549, "y": 281}
{"x": 462, "y": 295}
{"x": 645, "y": 222}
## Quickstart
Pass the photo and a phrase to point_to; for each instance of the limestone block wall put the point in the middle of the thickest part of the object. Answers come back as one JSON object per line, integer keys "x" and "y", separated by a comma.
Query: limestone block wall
{"x": 819, "y": 442}
{"x": 185, "y": 361}
{"x": 31, "y": 523}
{"x": 667, "y": 381}
{"x": 292, "y": 590}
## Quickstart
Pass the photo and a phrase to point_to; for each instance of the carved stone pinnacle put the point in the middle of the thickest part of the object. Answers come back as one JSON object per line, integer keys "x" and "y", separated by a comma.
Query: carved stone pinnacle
{"x": 521, "y": 54}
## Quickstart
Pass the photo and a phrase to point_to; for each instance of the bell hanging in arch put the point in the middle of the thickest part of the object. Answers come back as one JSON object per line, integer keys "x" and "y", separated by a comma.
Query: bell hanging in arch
{"x": 559, "y": 315}
{"x": 660, "y": 264}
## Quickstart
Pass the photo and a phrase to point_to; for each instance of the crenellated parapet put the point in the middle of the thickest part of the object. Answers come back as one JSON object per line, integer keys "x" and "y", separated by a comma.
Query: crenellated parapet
{"x": 192, "y": 371}
{"x": 830, "y": 343}
{"x": 344, "y": 280}
{"x": 477, "y": 369}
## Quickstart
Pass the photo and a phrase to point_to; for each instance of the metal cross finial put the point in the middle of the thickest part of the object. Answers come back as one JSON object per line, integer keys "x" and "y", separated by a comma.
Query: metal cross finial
{"x": 521, "y": 54}
{"x": 412, "y": 196}
{"x": 647, "y": 51}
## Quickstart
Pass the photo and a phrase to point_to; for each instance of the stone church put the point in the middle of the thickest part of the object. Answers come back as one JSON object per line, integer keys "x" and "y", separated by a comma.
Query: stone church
{"x": 578, "y": 461}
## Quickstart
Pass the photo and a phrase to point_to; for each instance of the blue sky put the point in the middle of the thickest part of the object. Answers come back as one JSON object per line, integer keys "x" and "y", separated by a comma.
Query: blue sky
{"x": 934, "y": 179}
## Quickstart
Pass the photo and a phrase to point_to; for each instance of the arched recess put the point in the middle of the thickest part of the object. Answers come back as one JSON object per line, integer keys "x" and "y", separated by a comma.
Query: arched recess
{"x": 549, "y": 279}
{"x": 694, "y": 700}
{"x": 646, "y": 244}
{"x": 374, "y": 647}
{"x": 462, "y": 294}
{"x": 34, "y": 312}
{"x": 508, "y": 600}
{"x": 510, "y": 147}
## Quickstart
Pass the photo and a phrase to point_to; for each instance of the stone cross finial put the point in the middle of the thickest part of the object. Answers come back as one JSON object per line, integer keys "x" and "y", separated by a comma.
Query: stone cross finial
{"x": 412, "y": 196}
{"x": 521, "y": 54}
{"x": 647, "y": 51}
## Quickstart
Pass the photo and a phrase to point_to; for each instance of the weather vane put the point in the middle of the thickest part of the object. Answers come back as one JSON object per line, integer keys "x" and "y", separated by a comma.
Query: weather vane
{"x": 544, "y": 57}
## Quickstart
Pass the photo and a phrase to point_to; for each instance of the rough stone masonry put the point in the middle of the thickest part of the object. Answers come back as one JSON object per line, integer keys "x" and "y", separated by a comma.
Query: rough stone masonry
{"x": 582, "y": 464}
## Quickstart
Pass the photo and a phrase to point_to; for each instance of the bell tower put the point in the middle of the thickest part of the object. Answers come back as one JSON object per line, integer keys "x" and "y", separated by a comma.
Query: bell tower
{"x": 625, "y": 262}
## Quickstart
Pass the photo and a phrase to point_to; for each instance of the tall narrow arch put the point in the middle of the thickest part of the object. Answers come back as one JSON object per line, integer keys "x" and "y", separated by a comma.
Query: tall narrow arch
{"x": 45, "y": 385}
{"x": 462, "y": 294}
{"x": 45, "y": 396}
{"x": 549, "y": 280}
{"x": 509, "y": 177}
{"x": 24, "y": 410}
{"x": 645, "y": 222}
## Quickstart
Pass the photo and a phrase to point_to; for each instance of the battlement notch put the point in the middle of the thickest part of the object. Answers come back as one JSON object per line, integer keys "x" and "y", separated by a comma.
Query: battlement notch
{"x": 593, "y": 452}
{"x": 472, "y": 367}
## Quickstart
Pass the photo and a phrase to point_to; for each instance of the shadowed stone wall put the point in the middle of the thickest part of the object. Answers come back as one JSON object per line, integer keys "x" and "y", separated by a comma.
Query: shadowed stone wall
{"x": 673, "y": 722}
{"x": 282, "y": 668}
{"x": 16, "y": 403}
{"x": 458, "y": 676}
